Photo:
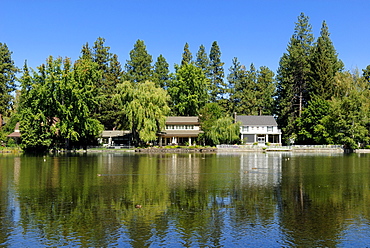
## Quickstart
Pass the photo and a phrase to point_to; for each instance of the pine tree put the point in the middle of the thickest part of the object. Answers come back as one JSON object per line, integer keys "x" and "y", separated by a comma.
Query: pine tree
{"x": 293, "y": 77}
{"x": 139, "y": 67}
{"x": 111, "y": 72}
{"x": 218, "y": 88}
{"x": 7, "y": 81}
{"x": 161, "y": 74}
{"x": 186, "y": 55}
{"x": 236, "y": 79}
{"x": 202, "y": 60}
{"x": 265, "y": 91}
{"x": 324, "y": 65}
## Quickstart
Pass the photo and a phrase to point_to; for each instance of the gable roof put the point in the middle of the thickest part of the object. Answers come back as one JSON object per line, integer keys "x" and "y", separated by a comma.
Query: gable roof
{"x": 182, "y": 120}
{"x": 256, "y": 120}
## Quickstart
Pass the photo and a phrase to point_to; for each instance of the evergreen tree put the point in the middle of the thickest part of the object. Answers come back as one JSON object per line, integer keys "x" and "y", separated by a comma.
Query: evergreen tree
{"x": 236, "y": 79}
{"x": 161, "y": 74}
{"x": 7, "y": 81}
{"x": 186, "y": 55}
{"x": 366, "y": 74}
{"x": 139, "y": 67}
{"x": 111, "y": 72}
{"x": 218, "y": 88}
{"x": 293, "y": 77}
{"x": 202, "y": 60}
{"x": 265, "y": 91}
{"x": 324, "y": 65}
{"x": 188, "y": 90}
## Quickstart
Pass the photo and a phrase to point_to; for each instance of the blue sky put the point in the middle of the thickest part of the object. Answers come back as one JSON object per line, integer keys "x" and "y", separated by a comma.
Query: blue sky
{"x": 254, "y": 31}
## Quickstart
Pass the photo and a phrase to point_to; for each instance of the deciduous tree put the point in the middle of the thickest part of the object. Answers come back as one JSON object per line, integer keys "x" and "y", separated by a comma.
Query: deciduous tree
{"x": 188, "y": 90}
{"x": 145, "y": 107}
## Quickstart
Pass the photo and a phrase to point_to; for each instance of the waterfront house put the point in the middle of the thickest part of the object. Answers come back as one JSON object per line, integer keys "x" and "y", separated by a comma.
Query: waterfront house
{"x": 180, "y": 130}
{"x": 258, "y": 129}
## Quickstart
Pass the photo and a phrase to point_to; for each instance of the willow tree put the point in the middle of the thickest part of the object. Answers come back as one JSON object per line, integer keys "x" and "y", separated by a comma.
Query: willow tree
{"x": 224, "y": 131}
{"x": 144, "y": 107}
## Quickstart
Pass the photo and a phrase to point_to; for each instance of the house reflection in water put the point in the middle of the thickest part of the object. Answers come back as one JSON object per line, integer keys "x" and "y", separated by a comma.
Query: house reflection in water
{"x": 260, "y": 169}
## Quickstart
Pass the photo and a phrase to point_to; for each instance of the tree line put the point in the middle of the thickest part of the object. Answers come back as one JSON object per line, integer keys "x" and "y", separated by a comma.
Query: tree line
{"x": 64, "y": 104}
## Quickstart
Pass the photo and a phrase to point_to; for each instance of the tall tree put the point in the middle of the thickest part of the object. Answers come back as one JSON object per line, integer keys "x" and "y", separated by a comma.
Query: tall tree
{"x": 236, "y": 79}
{"x": 186, "y": 55}
{"x": 218, "y": 88}
{"x": 7, "y": 80}
{"x": 144, "y": 107}
{"x": 111, "y": 72}
{"x": 57, "y": 103}
{"x": 161, "y": 74}
{"x": 188, "y": 90}
{"x": 139, "y": 67}
{"x": 324, "y": 65}
{"x": 265, "y": 91}
{"x": 347, "y": 119}
{"x": 293, "y": 77}
{"x": 202, "y": 60}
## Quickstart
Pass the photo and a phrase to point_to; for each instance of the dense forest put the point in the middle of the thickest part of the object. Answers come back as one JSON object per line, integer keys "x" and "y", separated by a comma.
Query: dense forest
{"x": 64, "y": 103}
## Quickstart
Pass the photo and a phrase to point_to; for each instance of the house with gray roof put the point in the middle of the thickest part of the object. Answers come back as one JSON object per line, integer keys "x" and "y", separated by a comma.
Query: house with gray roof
{"x": 180, "y": 130}
{"x": 258, "y": 129}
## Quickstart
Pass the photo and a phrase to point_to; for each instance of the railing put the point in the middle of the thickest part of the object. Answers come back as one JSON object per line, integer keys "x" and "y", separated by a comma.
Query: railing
{"x": 272, "y": 146}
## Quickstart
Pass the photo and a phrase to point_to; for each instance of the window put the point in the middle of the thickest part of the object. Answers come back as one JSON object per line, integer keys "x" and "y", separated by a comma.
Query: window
{"x": 245, "y": 128}
{"x": 269, "y": 129}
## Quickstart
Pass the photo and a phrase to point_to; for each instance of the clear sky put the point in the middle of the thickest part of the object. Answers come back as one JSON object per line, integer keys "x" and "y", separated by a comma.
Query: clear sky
{"x": 254, "y": 31}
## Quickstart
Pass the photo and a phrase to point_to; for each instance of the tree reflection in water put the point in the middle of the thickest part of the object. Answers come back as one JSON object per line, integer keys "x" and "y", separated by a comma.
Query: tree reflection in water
{"x": 191, "y": 200}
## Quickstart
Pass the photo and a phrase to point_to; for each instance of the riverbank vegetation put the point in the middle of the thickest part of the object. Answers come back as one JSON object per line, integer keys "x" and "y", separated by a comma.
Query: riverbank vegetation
{"x": 64, "y": 103}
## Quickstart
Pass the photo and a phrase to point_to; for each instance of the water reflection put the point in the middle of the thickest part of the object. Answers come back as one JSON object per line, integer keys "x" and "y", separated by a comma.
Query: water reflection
{"x": 190, "y": 200}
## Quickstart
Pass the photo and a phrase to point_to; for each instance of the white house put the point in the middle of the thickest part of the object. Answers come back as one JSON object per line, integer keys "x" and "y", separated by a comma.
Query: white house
{"x": 180, "y": 130}
{"x": 259, "y": 129}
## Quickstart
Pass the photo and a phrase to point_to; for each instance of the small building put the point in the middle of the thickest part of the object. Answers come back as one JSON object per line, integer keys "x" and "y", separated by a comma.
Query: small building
{"x": 180, "y": 130}
{"x": 259, "y": 129}
{"x": 16, "y": 135}
{"x": 116, "y": 138}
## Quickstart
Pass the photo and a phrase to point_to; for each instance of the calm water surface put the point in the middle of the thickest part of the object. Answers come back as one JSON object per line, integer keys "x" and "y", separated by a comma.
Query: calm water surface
{"x": 187, "y": 200}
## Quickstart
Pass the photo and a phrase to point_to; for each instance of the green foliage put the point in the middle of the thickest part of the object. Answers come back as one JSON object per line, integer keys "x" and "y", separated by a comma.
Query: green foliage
{"x": 139, "y": 67}
{"x": 144, "y": 107}
{"x": 7, "y": 81}
{"x": 188, "y": 90}
{"x": 348, "y": 117}
{"x": 293, "y": 76}
{"x": 224, "y": 131}
{"x": 309, "y": 122}
{"x": 324, "y": 65}
{"x": 202, "y": 60}
{"x": 161, "y": 74}
{"x": 251, "y": 91}
{"x": 186, "y": 55}
{"x": 218, "y": 87}
{"x": 207, "y": 117}
{"x": 56, "y": 105}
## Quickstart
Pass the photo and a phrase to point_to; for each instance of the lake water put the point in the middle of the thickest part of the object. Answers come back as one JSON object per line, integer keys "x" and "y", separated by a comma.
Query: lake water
{"x": 187, "y": 200}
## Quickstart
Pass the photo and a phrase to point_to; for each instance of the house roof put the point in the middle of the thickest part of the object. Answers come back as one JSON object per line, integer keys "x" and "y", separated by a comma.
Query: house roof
{"x": 256, "y": 120}
{"x": 184, "y": 120}
{"x": 180, "y": 133}
{"x": 114, "y": 133}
